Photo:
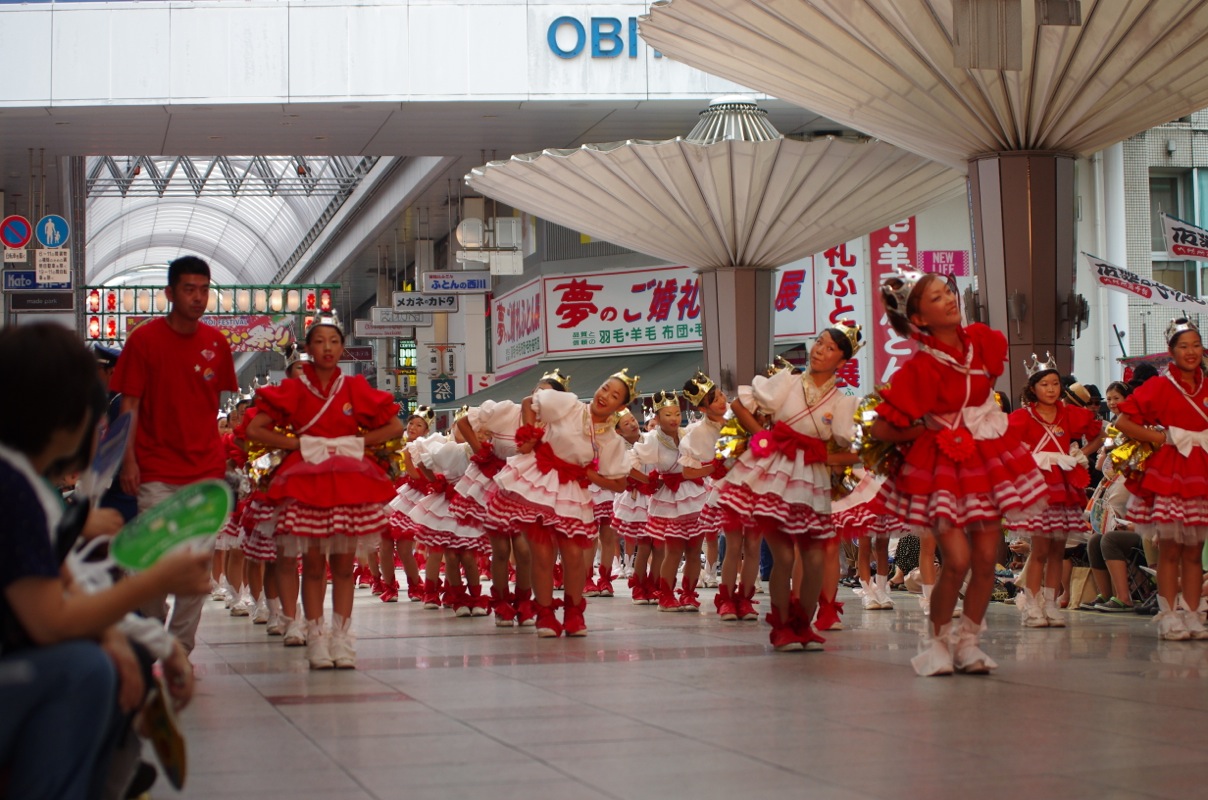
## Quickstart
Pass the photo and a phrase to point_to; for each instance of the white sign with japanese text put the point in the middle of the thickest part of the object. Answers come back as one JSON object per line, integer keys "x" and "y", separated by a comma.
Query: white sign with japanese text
{"x": 656, "y": 308}
{"x": 466, "y": 282}
{"x": 415, "y": 302}
{"x": 845, "y": 299}
{"x": 516, "y": 317}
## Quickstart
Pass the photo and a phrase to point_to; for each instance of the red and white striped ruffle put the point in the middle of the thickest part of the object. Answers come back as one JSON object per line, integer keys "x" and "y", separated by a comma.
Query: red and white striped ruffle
{"x": 400, "y": 526}
{"x": 708, "y": 524}
{"x": 1055, "y": 522}
{"x": 686, "y": 527}
{"x": 1171, "y": 519}
{"x": 1012, "y": 501}
{"x": 522, "y": 514}
{"x": 344, "y": 526}
{"x": 770, "y": 514}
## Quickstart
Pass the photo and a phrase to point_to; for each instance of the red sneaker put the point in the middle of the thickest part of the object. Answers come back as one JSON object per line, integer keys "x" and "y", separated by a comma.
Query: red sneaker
{"x": 590, "y": 589}
{"x": 828, "y": 615}
{"x": 744, "y": 604}
{"x": 501, "y": 603}
{"x": 667, "y": 598}
{"x": 376, "y": 586}
{"x": 604, "y": 584}
{"x": 689, "y": 600}
{"x": 431, "y": 595}
{"x": 572, "y": 618}
{"x": 389, "y": 594}
{"x": 548, "y": 626}
{"x": 479, "y": 606}
{"x": 415, "y": 592}
{"x": 724, "y": 602}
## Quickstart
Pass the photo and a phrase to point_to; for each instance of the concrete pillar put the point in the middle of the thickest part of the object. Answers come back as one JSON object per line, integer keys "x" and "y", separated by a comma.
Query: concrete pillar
{"x": 1023, "y": 238}
{"x": 736, "y": 323}
{"x": 1116, "y": 230}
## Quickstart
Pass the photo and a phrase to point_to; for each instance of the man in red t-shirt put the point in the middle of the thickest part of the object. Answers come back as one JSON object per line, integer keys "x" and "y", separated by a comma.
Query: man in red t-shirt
{"x": 172, "y": 373}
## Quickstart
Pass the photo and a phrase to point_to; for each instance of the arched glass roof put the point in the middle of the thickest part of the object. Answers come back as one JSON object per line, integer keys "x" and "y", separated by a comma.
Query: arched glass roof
{"x": 245, "y": 215}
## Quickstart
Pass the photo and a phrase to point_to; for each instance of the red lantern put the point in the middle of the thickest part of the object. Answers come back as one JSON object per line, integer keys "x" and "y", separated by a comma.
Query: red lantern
{"x": 111, "y": 301}
{"x": 94, "y": 327}
{"x": 94, "y": 301}
{"x": 306, "y": 323}
{"x": 310, "y": 300}
{"x": 111, "y": 328}
{"x": 325, "y": 300}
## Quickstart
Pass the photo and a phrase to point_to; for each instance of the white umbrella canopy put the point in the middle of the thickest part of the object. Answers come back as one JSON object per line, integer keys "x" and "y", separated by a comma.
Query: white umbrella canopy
{"x": 723, "y": 204}
{"x": 887, "y": 67}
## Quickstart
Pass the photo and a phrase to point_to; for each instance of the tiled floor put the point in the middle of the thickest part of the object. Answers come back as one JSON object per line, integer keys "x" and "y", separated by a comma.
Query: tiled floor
{"x": 656, "y": 705}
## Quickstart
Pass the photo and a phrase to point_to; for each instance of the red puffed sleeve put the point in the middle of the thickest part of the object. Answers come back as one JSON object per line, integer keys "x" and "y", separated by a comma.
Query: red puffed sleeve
{"x": 911, "y": 392}
{"x": 1145, "y": 404}
{"x": 991, "y": 346}
{"x": 1018, "y": 422}
{"x": 373, "y": 408}
{"x": 280, "y": 402}
{"x": 1084, "y": 424}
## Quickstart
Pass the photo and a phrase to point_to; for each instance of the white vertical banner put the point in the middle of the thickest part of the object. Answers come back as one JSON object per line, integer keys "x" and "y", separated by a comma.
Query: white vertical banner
{"x": 516, "y": 318}
{"x": 843, "y": 274}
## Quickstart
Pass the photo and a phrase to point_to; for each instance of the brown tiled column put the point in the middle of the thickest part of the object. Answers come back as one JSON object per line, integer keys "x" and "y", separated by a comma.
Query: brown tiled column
{"x": 1023, "y": 239}
{"x": 736, "y": 322}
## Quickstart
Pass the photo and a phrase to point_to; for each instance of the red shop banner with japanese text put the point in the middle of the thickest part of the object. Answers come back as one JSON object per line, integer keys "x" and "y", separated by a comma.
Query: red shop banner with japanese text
{"x": 890, "y": 249}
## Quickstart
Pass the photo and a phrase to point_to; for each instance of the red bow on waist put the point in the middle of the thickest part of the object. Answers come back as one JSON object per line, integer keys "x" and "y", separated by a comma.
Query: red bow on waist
{"x": 487, "y": 461}
{"x": 788, "y": 442}
{"x": 674, "y": 480}
{"x": 567, "y": 472}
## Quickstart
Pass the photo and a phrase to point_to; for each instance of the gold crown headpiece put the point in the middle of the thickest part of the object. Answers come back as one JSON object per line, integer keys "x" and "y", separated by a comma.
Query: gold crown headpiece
{"x": 1036, "y": 366}
{"x": 631, "y": 383}
{"x": 702, "y": 384}
{"x": 662, "y": 400}
{"x": 1178, "y": 326}
{"x": 555, "y": 374}
{"x": 620, "y": 415}
{"x": 329, "y": 318}
{"x": 851, "y": 330}
{"x": 461, "y": 412}
{"x": 425, "y": 413}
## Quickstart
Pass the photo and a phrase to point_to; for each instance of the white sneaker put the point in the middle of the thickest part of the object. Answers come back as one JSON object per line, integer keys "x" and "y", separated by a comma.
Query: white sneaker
{"x": 1031, "y": 610}
{"x": 935, "y": 654}
{"x": 925, "y": 599}
{"x": 276, "y": 622}
{"x": 1193, "y": 624}
{"x": 260, "y": 614}
{"x": 967, "y": 655}
{"x": 1052, "y": 611}
{"x": 1170, "y": 623}
{"x": 881, "y": 587}
{"x": 868, "y": 598}
{"x": 317, "y": 652}
{"x": 759, "y": 587}
{"x": 241, "y": 609}
{"x": 343, "y": 656}
{"x": 229, "y": 598}
{"x": 216, "y": 590}
{"x": 295, "y": 632}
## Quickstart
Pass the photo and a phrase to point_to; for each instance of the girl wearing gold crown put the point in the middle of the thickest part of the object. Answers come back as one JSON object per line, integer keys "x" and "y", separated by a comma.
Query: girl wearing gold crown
{"x": 963, "y": 473}
{"x": 333, "y": 495}
{"x": 400, "y": 536}
{"x": 698, "y": 459}
{"x": 628, "y": 517}
{"x": 674, "y": 506}
{"x": 543, "y": 488}
{"x": 492, "y": 438}
{"x": 1170, "y": 498}
{"x": 781, "y": 487}
{"x": 444, "y": 461}
{"x": 1049, "y": 426}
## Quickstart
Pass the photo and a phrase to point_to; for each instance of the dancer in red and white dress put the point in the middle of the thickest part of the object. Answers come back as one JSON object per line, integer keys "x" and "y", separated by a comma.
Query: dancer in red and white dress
{"x": 629, "y": 516}
{"x": 782, "y": 487}
{"x": 492, "y": 439}
{"x": 333, "y": 496}
{"x": 259, "y": 523}
{"x": 699, "y": 451}
{"x": 1049, "y": 426}
{"x": 1170, "y": 498}
{"x": 544, "y": 488}
{"x": 400, "y": 534}
{"x": 438, "y": 529}
{"x": 697, "y": 459}
{"x": 673, "y": 509}
{"x": 860, "y": 517}
{"x": 963, "y": 473}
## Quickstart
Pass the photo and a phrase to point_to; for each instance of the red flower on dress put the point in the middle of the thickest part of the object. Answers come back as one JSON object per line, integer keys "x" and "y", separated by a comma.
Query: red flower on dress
{"x": 1079, "y": 477}
{"x": 761, "y": 444}
{"x": 956, "y": 443}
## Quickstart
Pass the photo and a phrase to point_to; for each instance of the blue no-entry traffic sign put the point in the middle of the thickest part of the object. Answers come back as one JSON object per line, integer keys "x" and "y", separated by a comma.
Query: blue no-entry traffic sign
{"x": 15, "y": 231}
{"x": 52, "y": 231}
